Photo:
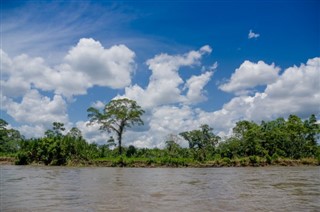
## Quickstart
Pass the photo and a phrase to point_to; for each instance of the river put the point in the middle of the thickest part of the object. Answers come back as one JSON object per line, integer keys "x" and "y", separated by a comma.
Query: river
{"x": 28, "y": 188}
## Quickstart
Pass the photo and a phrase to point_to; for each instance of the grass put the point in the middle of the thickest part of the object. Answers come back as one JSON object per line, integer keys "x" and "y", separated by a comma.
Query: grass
{"x": 189, "y": 162}
{"x": 123, "y": 161}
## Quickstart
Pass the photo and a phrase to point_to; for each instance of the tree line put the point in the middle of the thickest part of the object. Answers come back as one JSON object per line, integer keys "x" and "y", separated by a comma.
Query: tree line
{"x": 249, "y": 144}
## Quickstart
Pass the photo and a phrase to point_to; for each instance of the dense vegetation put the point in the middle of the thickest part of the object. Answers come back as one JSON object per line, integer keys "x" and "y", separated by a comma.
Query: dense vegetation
{"x": 279, "y": 141}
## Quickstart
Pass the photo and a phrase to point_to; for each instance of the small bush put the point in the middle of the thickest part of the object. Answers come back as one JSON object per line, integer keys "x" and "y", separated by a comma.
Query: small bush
{"x": 244, "y": 161}
{"x": 236, "y": 162}
{"x": 268, "y": 159}
{"x": 150, "y": 161}
{"x": 226, "y": 161}
{"x": 275, "y": 157}
{"x": 254, "y": 160}
{"x": 22, "y": 158}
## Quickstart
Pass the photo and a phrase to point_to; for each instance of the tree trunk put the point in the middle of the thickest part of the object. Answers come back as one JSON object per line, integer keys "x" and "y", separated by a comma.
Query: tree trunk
{"x": 120, "y": 140}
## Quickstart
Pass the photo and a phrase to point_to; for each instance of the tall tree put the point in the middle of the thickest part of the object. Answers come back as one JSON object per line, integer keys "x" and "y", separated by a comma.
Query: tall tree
{"x": 312, "y": 130}
{"x": 75, "y": 133}
{"x": 9, "y": 138}
{"x": 296, "y": 137}
{"x": 249, "y": 134}
{"x": 117, "y": 115}
{"x": 57, "y": 129}
{"x": 202, "y": 140}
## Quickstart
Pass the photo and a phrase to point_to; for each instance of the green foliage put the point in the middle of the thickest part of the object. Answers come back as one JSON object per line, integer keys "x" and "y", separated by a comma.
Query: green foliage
{"x": 131, "y": 151}
{"x": 22, "y": 158}
{"x": 117, "y": 115}
{"x": 268, "y": 159}
{"x": 279, "y": 138}
{"x": 280, "y": 141}
{"x": 230, "y": 148}
{"x": 226, "y": 161}
{"x": 56, "y": 149}
{"x": 9, "y": 139}
{"x": 254, "y": 160}
{"x": 56, "y": 131}
{"x": 244, "y": 161}
{"x": 202, "y": 141}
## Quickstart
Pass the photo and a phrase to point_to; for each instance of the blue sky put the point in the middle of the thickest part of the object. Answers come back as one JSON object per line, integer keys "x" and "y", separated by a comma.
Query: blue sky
{"x": 186, "y": 62}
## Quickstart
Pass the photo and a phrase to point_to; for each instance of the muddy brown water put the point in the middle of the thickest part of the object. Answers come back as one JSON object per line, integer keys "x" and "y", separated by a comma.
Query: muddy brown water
{"x": 27, "y": 188}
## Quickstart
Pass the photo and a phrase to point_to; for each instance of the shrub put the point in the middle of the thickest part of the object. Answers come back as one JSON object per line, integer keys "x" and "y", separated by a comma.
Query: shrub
{"x": 254, "y": 159}
{"x": 275, "y": 157}
{"x": 269, "y": 159}
{"x": 22, "y": 158}
{"x": 244, "y": 161}
{"x": 226, "y": 161}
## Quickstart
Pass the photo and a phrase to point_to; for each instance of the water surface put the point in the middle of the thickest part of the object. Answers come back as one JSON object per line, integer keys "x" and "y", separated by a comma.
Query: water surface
{"x": 27, "y": 188}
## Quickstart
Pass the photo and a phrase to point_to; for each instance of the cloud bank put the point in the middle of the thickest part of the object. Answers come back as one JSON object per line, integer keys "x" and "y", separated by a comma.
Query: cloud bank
{"x": 36, "y": 94}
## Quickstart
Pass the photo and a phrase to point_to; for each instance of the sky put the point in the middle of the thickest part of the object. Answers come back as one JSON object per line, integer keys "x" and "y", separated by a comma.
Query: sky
{"x": 186, "y": 63}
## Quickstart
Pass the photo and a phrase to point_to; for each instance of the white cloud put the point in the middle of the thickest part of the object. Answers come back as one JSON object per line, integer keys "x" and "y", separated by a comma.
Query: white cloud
{"x": 250, "y": 75}
{"x": 164, "y": 120}
{"x": 32, "y": 131}
{"x": 5, "y": 62}
{"x": 195, "y": 87}
{"x": 92, "y": 133}
{"x": 252, "y": 35}
{"x": 296, "y": 91}
{"x": 98, "y": 105}
{"x": 24, "y": 79}
{"x": 21, "y": 72}
{"x": 87, "y": 64}
{"x": 161, "y": 122}
{"x": 35, "y": 108}
{"x": 104, "y": 67}
{"x": 165, "y": 81}
{"x": 170, "y": 100}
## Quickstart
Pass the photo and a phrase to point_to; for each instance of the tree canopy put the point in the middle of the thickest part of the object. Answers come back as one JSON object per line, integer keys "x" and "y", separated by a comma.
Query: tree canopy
{"x": 117, "y": 115}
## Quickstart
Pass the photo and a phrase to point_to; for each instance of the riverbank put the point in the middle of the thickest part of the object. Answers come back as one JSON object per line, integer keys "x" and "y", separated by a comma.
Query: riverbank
{"x": 180, "y": 162}
{"x": 7, "y": 160}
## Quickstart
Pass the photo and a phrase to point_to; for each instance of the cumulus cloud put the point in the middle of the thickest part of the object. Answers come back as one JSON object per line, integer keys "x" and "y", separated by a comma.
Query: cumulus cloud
{"x": 104, "y": 67}
{"x": 92, "y": 132}
{"x": 21, "y": 72}
{"x": 166, "y": 89}
{"x": 165, "y": 81}
{"x": 252, "y": 35}
{"x": 164, "y": 120}
{"x": 250, "y": 75}
{"x": 195, "y": 87}
{"x": 87, "y": 64}
{"x": 295, "y": 91}
{"x": 32, "y": 131}
{"x": 98, "y": 105}
{"x": 35, "y": 108}
{"x": 35, "y": 93}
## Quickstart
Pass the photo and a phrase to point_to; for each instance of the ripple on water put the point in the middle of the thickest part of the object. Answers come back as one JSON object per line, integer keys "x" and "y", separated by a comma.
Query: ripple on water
{"x": 114, "y": 189}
